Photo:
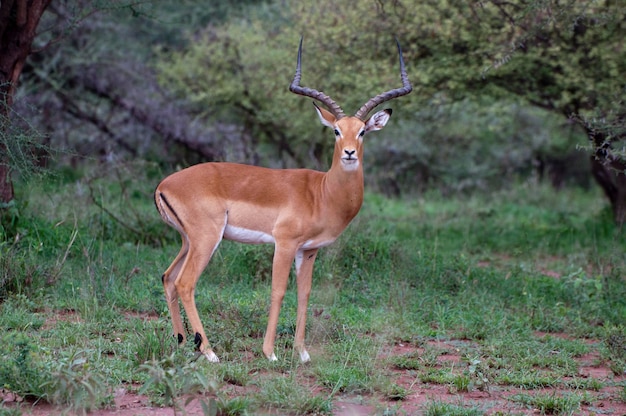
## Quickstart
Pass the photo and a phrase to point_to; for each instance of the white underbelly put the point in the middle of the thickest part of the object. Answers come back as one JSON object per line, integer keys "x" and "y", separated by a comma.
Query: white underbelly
{"x": 244, "y": 235}
{"x": 310, "y": 244}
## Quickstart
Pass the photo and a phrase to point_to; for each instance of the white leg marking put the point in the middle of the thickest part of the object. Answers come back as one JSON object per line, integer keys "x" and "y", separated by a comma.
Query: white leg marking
{"x": 304, "y": 356}
{"x": 298, "y": 260}
{"x": 272, "y": 357}
{"x": 211, "y": 357}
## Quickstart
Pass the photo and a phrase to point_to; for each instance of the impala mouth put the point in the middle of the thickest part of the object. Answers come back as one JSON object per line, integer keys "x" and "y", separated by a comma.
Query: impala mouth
{"x": 350, "y": 163}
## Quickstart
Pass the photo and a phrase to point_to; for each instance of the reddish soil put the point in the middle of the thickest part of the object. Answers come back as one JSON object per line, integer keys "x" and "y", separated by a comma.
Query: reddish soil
{"x": 493, "y": 400}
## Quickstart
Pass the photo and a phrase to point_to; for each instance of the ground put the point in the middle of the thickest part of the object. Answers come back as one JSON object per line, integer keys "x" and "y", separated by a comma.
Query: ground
{"x": 491, "y": 399}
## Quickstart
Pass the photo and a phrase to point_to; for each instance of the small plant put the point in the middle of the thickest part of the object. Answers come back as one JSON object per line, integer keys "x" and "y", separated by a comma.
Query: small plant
{"x": 477, "y": 372}
{"x": 153, "y": 342}
{"x": 20, "y": 370}
{"x": 169, "y": 381}
{"x": 552, "y": 404}
{"x": 76, "y": 385}
{"x": 461, "y": 383}
{"x": 410, "y": 361}
{"x": 16, "y": 411}
{"x": 343, "y": 379}
{"x": 439, "y": 408}
{"x": 622, "y": 394}
{"x": 234, "y": 374}
{"x": 615, "y": 344}
{"x": 238, "y": 406}
{"x": 285, "y": 394}
{"x": 395, "y": 392}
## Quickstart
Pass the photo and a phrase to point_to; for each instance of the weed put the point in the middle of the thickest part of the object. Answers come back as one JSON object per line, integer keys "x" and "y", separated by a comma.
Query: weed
{"x": 282, "y": 393}
{"x": 234, "y": 374}
{"x": 437, "y": 408}
{"x": 169, "y": 381}
{"x": 622, "y": 394}
{"x": 392, "y": 391}
{"x": 21, "y": 371}
{"x": 552, "y": 404}
{"x": 238, "y": 406}
{"x": 75, "y": 384}
{"x": 528, "y": 379}
{"x": 153, "y": 341}
{"x": 437, "y": 376}
{"x": 614, "y": 339}
{"x": 410, "y": 361}
{"x": 15, "y": 411}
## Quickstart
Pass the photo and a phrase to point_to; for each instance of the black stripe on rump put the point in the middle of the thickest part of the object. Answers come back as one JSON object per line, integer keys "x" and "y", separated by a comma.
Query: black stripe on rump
{"x": 171, "y": 209}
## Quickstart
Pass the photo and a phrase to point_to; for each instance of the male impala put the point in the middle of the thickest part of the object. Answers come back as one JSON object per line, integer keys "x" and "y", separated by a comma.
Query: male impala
{"x": 297, "y": 210}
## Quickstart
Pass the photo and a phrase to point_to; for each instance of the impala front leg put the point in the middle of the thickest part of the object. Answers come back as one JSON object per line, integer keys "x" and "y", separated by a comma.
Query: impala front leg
{"x": 304, "y": 273}
{"x": 283, "y": 258}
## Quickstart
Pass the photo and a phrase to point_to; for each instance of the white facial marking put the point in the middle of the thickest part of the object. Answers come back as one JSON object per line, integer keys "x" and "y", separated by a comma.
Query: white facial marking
{"x": 244, "y": 235}
{"x": 350, "y": 165}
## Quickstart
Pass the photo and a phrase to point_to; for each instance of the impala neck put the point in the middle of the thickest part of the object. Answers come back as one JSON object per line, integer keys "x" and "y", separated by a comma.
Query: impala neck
{"x": 344, "y": 188}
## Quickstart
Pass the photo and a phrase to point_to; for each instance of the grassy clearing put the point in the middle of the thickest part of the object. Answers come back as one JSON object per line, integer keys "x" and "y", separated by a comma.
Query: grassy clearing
{"x": 518, "y": 287}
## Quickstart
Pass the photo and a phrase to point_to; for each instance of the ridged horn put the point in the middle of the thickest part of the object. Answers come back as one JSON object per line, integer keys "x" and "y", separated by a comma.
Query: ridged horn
{"x": 295, "y": 87}
{"x": 391, "y": 94}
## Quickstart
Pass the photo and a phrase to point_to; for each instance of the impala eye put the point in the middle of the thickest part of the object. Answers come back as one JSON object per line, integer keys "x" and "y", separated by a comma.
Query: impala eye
{"x": 362, "y": 133}
{"x": 337, "y": 132}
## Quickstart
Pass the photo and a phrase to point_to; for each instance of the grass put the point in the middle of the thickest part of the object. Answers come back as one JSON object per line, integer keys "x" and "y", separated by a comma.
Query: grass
{"x": 519, "y": 285}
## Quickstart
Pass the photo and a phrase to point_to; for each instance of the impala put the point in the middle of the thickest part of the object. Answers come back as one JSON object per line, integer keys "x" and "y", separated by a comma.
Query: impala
{"x": 297, "y": 210}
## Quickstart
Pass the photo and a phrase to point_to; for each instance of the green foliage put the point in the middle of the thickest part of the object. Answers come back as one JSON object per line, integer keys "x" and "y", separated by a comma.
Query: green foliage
{"x": 553, "y": 404}
{"x": 76, "y": 385}
{"x": 21, "y": 144}
{"x": 481, "y": 72}
{"x": 170, "y": 380}
{"x": 474, "y": 277}
{"x": 21, "y": 370}
{"x": 448, "y": 409}
{"x": 282, "y": 393}
{"x": 615, "y": 343}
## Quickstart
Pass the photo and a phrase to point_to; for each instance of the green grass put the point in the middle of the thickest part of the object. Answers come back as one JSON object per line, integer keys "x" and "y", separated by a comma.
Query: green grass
{"x": 519, "y": 285}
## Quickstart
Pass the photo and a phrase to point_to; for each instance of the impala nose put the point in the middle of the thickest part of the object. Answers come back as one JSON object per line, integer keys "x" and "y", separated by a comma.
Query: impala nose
{"x": 349, "y": 153}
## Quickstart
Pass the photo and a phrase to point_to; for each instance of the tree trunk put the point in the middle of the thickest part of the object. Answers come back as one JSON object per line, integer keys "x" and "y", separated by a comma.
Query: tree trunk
{"x": 609, "y": 172}
{"x": 18, "y": 25}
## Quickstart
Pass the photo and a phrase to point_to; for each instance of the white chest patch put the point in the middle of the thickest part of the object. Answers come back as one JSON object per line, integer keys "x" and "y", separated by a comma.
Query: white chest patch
{"x": 244, "y": 235}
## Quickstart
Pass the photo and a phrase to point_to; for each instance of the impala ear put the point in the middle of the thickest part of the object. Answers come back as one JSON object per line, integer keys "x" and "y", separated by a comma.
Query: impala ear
{"x": 378, "y": 120}
{"x": 326, "y": 117}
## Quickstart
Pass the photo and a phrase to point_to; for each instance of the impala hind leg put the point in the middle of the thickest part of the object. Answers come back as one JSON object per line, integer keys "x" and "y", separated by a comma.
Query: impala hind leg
{"x": 304, "y": 274}
{"x": 202, "y": 245}
{"x": 171, "y": 295}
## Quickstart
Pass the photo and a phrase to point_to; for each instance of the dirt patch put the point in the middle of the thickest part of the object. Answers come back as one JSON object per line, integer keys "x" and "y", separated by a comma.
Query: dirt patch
{"x": 491, "y": 399}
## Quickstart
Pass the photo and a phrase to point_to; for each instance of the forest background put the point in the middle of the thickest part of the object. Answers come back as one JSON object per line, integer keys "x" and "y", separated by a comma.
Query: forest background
{"x": 504, "y": 91}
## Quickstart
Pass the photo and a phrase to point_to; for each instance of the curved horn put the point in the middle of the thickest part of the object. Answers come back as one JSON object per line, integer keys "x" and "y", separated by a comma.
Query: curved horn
{"x": 386, "y": 96}
{"x": 309, "y": 92}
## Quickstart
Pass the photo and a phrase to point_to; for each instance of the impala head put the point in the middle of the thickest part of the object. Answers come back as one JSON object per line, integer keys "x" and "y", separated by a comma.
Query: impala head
{"x": 349, "y": 131}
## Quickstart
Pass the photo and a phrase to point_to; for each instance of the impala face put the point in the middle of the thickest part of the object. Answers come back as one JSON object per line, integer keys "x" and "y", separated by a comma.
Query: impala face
{"x": 349, "y": 133}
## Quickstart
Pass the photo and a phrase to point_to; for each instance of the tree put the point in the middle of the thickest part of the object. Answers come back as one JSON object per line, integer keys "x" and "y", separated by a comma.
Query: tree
{"x": 566, "y": 57}
{"x": 18, "y": 28}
